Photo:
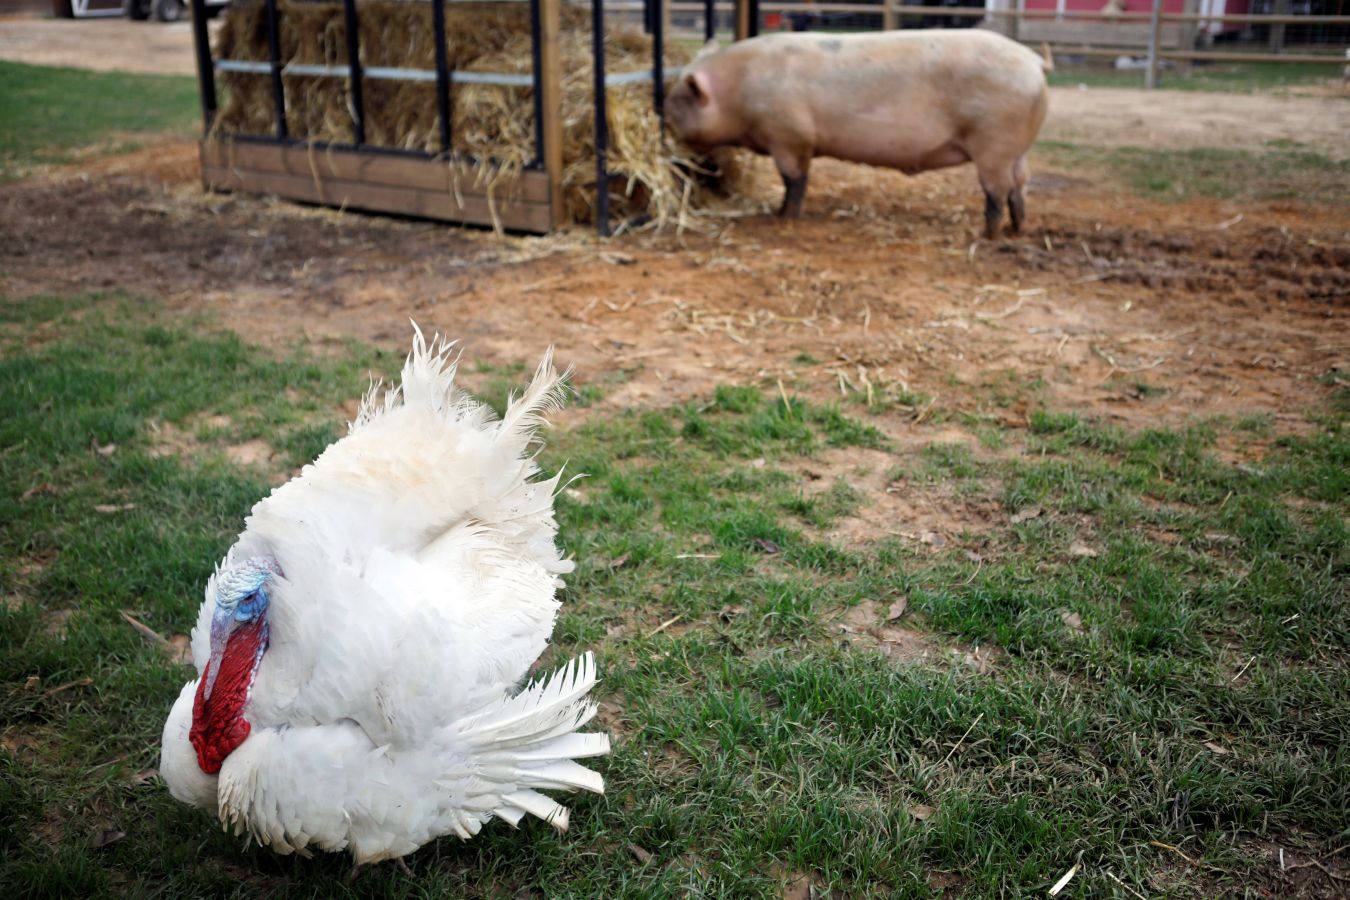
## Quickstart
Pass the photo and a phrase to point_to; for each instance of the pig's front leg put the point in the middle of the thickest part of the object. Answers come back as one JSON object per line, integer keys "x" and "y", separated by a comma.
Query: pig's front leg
{"x": 794, "y": 168}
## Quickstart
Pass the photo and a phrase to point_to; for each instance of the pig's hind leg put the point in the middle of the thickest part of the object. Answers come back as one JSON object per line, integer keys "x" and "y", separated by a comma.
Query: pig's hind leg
{"x": 1017, "y": 205}
{"x": 998, "y": 182}
{"x": 793, "y": 167}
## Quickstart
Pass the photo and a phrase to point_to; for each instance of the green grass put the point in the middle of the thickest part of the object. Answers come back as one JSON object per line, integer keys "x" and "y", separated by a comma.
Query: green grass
{"x": 1280, "y": 172}
{"x": 48, "y": 114}
{"x": 752, "y": 741}
{"x": 1238, "y": 77}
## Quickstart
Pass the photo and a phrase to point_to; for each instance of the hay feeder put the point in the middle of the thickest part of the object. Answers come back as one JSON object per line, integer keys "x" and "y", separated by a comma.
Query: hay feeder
{"x": 392, "y": 134}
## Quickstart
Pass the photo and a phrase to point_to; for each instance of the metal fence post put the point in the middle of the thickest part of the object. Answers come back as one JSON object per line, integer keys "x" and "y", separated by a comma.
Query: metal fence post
{"x": 1277, "y": 28}
{"x": 601, "y": 118}
{"x": 206, "y": 72}
{"x": 1154, "y": 38}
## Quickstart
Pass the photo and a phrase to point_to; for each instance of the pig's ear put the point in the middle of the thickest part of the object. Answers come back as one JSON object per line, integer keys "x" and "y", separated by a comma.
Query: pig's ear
{"x": 698, "y": 87}
{"x": 708, "y": 49}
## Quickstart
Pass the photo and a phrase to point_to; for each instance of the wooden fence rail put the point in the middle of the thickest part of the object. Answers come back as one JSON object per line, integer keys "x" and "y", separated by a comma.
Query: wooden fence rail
{"x": 1154, "y": 22}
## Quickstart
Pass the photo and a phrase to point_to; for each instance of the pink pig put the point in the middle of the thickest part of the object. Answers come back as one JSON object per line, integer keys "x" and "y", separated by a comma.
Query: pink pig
{"x": 910, "y": 100}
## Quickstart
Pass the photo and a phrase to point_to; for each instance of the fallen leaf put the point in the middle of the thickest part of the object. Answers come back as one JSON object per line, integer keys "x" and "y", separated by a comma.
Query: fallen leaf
{"x": 727, "y": 613}
{"x": 1023, "y": 515}
{"x": 1215, "y": 748}
{"x": 104, "y": 449}
{"x": 618, "y": 563}
{"x": 106, "y": 838}
{"x": 39, "y": 490}
{"x": 62, "y": 688}
{"x": 1072, "y": 619}
{"x": 643, "y": 856}
{"x": 107, "y": 508}
{"x": 758, "y": 463}
{"x": 145, "y": 630}
{"x": 974, "y": 557}
{"x": 32, "y": 683}
{"x": 766, "y": 545}
{"x": 144, "y": 776}
{"x": 921, "y": 812}
{"x": 1080, "y": 549}
{"x": 897, "y": 609}
{"x": 933, "y": 539}
{"x": 618, "y": 259}
{"x": 1218, "y": 537}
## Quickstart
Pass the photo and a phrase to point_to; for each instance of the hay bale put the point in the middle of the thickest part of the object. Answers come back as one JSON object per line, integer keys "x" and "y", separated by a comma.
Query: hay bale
{"x": 656, "y": 176}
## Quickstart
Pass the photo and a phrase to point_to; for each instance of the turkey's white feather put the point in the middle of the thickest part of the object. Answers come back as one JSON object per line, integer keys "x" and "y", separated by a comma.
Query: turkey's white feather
{"x": 419, "y": 571}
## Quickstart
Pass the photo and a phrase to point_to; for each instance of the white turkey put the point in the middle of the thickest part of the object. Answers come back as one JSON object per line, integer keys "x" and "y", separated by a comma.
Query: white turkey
{"x": 361, "y": 647}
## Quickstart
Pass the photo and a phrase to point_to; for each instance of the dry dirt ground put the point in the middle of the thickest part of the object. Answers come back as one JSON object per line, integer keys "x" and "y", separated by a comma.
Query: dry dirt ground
{"x": 1135, "y": 310}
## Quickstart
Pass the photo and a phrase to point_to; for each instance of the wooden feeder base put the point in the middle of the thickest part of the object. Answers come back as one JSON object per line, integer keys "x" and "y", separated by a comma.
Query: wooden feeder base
{"x": 378, "y": 182}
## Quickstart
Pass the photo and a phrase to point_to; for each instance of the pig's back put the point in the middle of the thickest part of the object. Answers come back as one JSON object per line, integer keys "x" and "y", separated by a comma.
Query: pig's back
{"x": 877, "y": 66}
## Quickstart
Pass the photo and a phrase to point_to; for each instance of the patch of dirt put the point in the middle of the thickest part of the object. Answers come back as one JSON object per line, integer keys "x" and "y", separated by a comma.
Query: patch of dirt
{"x": 173, "y": 440}
{"x": 1183, "y": 120}
{"x": 867, "y": 626}
{"x": 930, "y": 516}
{"x": 105, "y": 45}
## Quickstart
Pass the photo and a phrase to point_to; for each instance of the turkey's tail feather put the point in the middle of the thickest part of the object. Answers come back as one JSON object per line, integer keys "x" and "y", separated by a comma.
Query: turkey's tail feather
{"x": 546, "y": 393}
{"x": 529, "y": 743}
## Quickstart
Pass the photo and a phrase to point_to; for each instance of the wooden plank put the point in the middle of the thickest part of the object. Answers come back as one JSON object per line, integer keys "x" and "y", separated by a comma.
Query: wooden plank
{"x": 550, "y": 87}
{"x": 372, "y": 168}
{"x": 742, "y": 20}
{"x": 442, "y": 205}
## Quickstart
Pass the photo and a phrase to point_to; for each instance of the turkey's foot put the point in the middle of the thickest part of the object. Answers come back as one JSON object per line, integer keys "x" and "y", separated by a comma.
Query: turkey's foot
{"x": 398, "y": 862}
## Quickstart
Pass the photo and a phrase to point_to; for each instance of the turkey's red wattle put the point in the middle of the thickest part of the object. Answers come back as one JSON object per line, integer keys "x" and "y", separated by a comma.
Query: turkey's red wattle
{"x": 218, "y": 723}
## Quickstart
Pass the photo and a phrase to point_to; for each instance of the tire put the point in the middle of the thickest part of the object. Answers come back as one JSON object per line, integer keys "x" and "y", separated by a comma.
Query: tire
{"x": 137, "y": 10}
{"x": 169, "y": 10}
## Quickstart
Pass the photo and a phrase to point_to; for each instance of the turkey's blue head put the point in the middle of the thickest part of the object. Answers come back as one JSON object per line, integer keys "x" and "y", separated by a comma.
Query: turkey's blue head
{"x": 238, "y": 641}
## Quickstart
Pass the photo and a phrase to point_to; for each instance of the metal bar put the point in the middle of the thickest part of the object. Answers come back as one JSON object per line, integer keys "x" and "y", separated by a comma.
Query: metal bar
{"x": 601, "y": 118}
{"x": 442, "y": 72}
{"x": 383, "y": 73}
{"x": 1214, "y": 56}
{"x": 206, "y": 76}
{"x": 630, "y": 77}
{"x": 243, "y": 65}
{"x": 536, "y": 81}
{"x": 274, "y": 55}
{"x": 1154, "y": 38}
{"x": 658, "y": 60}
{"x": 754, "y": 17}
{"x": 709, "y": 19}
{"x": 338, "y": 145}
{"x": 1071, "y": 16}
{"x": 354, "y": 68}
